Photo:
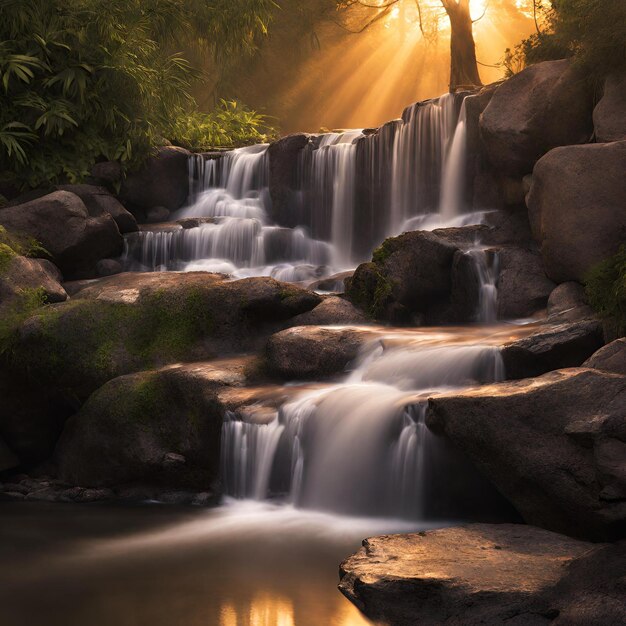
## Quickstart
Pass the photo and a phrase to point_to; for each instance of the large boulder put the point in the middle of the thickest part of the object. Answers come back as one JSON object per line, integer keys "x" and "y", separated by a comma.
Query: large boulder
{"x": 523, "y": 287}
{"x": 544, "y": 106}
{"x": 21, "y": 276}
{"x": 610, "y": 358}
{"x": 409, "y": 277}
{"x": 554, "y": 446}
{"x": 331, "y": 310}
{"x": 99, "y": 200}
{"x": 160, "y": 426}
{"x": 562, "y": 345}
{"x": 568, "y": 302}
{"x": 576, "y": 207}
{"x": 163, "y": 180}
{"x": 486, "y": 574}
{"x": 309, "y": 352}
{"x": 130, "y": 322}
{"x": 61, "y": 223}
{"x": 609, "y": 116}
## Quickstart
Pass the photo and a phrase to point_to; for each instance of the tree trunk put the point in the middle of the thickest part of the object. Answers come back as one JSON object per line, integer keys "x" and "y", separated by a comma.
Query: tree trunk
{"x": 463, "y": 67}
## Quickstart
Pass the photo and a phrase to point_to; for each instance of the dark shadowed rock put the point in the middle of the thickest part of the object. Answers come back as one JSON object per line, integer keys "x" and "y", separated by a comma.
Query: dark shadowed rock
{"x": 107, "y": 173}
{"x": 309, "y": 352}
{"x": 61, "y": 223}
{"x": 132, "y": 428}
{"x": 609, "y": 116}
{"x": 162, "y": 181}
{"x": 568, "y": 302}
{"x": 131, "y": 322}
{"x": 22, "y": 274}
{"x": 99, "y": 200}
{"x": 576, "y": 207}
{"x": 331, "y": 310}
{"x": 157, "y": 214}
{"x": 546, "y": 105}
{"x": 553, "y": 446}
{"x": 523, "y": 287}
{"x": 563, "y": 345}
{"x": 108, "y": 267}
{"x": 610, "y": 358}
{"x": 486, "y": 574}
{"x": 8, "y": 460}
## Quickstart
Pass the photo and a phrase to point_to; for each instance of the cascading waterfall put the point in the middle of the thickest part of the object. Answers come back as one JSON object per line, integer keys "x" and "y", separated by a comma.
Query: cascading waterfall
{"x": 486, "y": 265}
{"x": 360, "y": 446}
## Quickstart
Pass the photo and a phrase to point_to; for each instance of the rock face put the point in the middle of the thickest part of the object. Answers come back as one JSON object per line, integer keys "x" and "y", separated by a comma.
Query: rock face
{"x": 61, "y": 223}
{"x": 523, "y": 287}
{"x": 131, "y": 322}
{"x": 409, "y": 276}
{"x": 309, "y": 352}
{"x": 99, "y": 200}
{"x": 544, "y": 106}
{"x": 8, "y": 460}
{"x": 162, "y": 181}
{"x": 553, "y": 446}
{"x": 610, "y": 358}
{"x": 568, "y": 302}
{"x": 161, "y": 426}
{"x": 576, "y": 207}
{"x": 283, "y": 160}
{"x": 609, "y": 116}
{"x": 486, "y": 574}
{"x": 564, "y": 345}
{"x": 331, "y": 310}
{"x": 22, "y": 274}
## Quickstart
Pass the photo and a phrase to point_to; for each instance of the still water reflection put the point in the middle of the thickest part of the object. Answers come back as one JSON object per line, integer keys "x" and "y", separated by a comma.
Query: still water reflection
{"x": 242, "y": 564}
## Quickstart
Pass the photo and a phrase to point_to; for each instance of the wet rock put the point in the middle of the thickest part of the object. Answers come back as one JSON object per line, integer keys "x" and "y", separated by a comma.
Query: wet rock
{"x": 609, "y": 116}
{"x": 61, "y": 223}
{"x": 130, "y": 322}
{"x": 20, "y": 274}
{"x": 523, "y": 287}
{"x": 205, "y": 498}
{"x": 331, "y": 283}
{"x": 610, "y": 358}
{"x": 194, "y": 222}
{"x": 332, "y": 310}
{"x": 163, "y": 180}
{"x": 99, "y": 201}
{"x": 551, "y": 445}
{"x": 157, "y": 214}
{"x": 309, "y": 352}
{"x": 176, "y": 497}
{"x": 568, "y": 302}
{"x": 564, "y": 345}
{"x": 544, "y": 106}
{"x": 576, "y": 207}
{"x": 108, "y": 267}
{"x": 130, "y": 428}
{"x": 486, "y": 574}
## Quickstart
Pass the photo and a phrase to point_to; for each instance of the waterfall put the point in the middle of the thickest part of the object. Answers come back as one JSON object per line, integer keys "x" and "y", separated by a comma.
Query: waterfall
{"x": 453, "y": 179}
{"x": 486, "y": 266}
{"x": 360, "y": 446}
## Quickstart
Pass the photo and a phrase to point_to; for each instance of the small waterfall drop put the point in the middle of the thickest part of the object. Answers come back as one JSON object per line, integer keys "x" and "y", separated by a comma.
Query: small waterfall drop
{"x": 486, "y": 266}
{"x": 453, "y": 179}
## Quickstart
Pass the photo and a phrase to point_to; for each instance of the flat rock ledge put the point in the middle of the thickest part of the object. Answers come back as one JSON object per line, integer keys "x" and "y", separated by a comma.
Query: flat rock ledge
{"x": 486, "y": 574}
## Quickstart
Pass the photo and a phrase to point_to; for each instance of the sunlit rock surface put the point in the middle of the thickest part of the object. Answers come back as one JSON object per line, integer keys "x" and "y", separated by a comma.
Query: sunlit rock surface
{"x": 486, "y": 574}
{"x": 554, "y": 446}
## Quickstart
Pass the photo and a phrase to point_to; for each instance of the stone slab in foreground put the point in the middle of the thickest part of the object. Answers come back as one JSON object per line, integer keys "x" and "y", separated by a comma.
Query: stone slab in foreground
{"x": 486, "y": 574}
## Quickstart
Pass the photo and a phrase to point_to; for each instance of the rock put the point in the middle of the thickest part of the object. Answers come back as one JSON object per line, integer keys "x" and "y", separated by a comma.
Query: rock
{"x": 331, "y": 310}
{"x": 129, "y": 428}
{"x": 334, "y": 283}
{"x": 99, "y": 200}
{"x": 544, "y": 106}
{"x": 283, "y": 164}
{"x": 19, "y": 274}
{"x": 107, "y": 173}
{"x": 157, "y": 214}
{"x": 563, "y": 345}
{"x": 205, "y": 498}
{"x": 108, "y": 267}
{"x": 8, "y": 460}
{"x": 193, "y": 222}
{"x": 172, "y": 459}
{"x": 61, "y": 223}
{"x": 576, "y": 207}
{"x": 176, "y": 497}
{"x": 568, "y": 302}
{"x": 309, "y": 352}
{"x": 553, "y": 446}
{"x": 609, "y": 116}
{"x": 163, "y": 180}
{"x": 486, "y": 574}
{"x": 131, "y": 322}
{"x": 523, "y": 287}
{"x": 610, "y": 358}
{"x": 409, "y": 276}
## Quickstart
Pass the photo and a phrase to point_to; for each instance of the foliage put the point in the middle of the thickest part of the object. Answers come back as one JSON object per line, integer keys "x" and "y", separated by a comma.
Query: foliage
{"x": 606, "y": 289}
{"x": 88, "y": 79}
{"x": 591, "y": 31}
{"x": 231, "y": 124}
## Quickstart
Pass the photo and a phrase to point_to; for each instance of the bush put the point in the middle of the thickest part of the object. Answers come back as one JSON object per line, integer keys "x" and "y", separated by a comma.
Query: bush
{"x": 606, "y": 290}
